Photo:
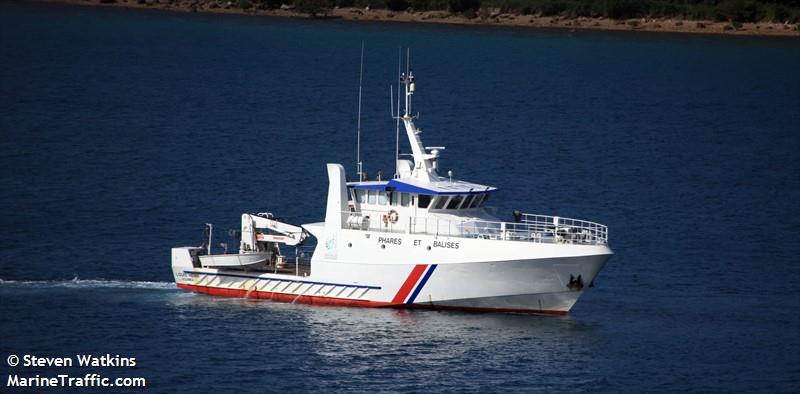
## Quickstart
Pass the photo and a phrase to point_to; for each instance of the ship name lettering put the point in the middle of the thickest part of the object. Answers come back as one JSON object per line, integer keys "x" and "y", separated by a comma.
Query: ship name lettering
{"x": 393, "y": 241}
{"x": 445, "y": 245}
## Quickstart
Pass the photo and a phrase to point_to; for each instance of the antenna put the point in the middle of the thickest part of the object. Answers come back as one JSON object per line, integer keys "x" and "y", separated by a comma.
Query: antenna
{"x": 359, "y": 171}
{"x": 407, "y": 79}
{"x": 397, "y": 116}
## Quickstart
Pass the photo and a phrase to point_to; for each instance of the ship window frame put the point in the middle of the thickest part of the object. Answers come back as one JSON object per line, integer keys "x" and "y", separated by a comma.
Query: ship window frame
{"x": 455, "y": 201}
{"x": 372, "y": 197}
{"x": 477, "y": 201}
{"x": 405, "y": 199}
{"x": 393, "y": 199}
{"x": 467, "y": 201}
{"x": 383, "y": 198}
{"x": 485, "y": 198}
{"x": 427, "y": 200}
{"x": 440, "y": 203}
{"x": 361, "y": 196}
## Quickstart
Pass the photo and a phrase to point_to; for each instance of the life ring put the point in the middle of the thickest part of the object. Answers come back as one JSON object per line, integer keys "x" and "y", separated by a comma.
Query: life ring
{"x": 392, "y": 217}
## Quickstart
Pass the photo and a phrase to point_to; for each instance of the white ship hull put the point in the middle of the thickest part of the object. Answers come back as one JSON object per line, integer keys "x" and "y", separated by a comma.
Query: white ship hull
{"x": 357, "y": 271}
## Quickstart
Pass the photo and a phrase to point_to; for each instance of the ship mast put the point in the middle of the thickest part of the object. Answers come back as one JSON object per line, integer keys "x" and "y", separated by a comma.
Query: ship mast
{"x": 396, "y": 116}
{"x": 425, "y": 164}
{"x": 408, "y": 82}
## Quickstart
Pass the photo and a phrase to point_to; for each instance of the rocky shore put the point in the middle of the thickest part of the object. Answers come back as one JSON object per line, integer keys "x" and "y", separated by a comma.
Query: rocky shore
{"x": 486, "y": 17}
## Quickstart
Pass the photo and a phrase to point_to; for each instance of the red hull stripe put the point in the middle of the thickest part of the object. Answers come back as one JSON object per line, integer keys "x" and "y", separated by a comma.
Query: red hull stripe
{"x": 408, "y": 285}
{"x": 315, "y": 300}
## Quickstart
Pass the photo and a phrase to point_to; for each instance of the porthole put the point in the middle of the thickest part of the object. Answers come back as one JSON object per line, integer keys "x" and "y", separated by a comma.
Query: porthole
{"x": 349, "y": 244}
{"x": 383, "y": 246}
{"x": 429, "y": 248}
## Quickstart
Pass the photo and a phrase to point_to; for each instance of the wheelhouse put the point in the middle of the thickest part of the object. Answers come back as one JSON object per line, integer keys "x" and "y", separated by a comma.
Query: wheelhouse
{"x": 444, "y": 197}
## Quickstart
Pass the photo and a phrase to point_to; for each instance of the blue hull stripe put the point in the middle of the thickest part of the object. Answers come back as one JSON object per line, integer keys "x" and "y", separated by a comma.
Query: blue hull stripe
{"x": 421, "y": 284}
{"x": 282, "y": 280}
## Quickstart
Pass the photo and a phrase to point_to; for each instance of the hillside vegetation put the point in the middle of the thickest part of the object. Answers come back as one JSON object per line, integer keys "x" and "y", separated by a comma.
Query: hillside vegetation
{"x": 718, "y": 10}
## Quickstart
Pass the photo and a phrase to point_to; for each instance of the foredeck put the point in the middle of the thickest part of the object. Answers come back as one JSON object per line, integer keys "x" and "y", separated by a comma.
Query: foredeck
{"x": 530, "y": 228}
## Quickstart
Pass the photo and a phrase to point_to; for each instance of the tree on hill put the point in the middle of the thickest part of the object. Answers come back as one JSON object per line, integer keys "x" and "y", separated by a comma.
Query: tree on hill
{"x": 459, "y": 6}
{"x": 313, "y": 7}
{"x": 397, "y": 5}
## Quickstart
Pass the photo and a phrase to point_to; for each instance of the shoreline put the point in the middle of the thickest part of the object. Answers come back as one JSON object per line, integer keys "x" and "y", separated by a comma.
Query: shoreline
{"x": 494, "y": 18}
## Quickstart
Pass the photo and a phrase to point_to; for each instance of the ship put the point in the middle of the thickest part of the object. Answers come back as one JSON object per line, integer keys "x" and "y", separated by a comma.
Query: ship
{"x": 417, "y": 240}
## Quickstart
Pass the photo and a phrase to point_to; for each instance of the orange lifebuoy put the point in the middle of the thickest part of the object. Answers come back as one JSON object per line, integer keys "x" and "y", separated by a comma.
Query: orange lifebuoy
{"x": 393, "y": 216}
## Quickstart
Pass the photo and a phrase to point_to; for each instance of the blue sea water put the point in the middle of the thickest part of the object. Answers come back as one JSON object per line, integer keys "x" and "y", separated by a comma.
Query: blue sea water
{"x": 123, "y": 131}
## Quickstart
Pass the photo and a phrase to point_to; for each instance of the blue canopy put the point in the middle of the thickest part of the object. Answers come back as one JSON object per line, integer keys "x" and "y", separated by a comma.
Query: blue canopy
{"x": 445, "y": 187}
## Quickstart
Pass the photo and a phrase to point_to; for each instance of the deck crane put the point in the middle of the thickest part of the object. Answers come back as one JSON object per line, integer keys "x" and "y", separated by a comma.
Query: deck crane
{"x": 255, "y": 240}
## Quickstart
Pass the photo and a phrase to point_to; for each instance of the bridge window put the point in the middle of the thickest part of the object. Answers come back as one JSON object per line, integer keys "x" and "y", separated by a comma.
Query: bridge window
{"x": 454, "y": 202}
{"x": 361, "y": 196}
{"x": 477, "y": 201}
{"x": 467, "y": 201}
{"x": 440, "y": 202}
{"x": 485, "y": 198}
{"x": 423, "y": 200}
{"x": 383, "y": 199}
{"x": 373, "y": 197}
{"x": 404, "y": 198}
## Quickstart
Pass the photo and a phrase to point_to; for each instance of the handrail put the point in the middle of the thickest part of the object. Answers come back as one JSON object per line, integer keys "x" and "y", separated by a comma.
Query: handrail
{"x": 530, "y": 228}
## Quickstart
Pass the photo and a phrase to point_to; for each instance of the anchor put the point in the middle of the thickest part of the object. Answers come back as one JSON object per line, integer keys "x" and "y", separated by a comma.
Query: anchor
{"x": 575, "y": 284}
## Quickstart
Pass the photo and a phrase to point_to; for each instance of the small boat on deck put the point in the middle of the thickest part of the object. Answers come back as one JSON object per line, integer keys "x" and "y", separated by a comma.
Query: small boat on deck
{"x": 244, "y": 261}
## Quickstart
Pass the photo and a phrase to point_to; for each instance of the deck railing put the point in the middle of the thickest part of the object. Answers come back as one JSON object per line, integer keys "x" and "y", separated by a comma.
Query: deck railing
{"x": 296, "y": 261}
{"x": 530, "y": 228}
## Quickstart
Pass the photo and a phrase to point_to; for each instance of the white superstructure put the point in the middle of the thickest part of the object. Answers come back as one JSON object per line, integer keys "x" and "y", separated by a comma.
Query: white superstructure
{"x": 417, "y": 240}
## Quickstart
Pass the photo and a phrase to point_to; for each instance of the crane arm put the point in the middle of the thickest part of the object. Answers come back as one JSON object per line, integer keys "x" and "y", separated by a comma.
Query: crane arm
{"x": 289, "y": 234}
